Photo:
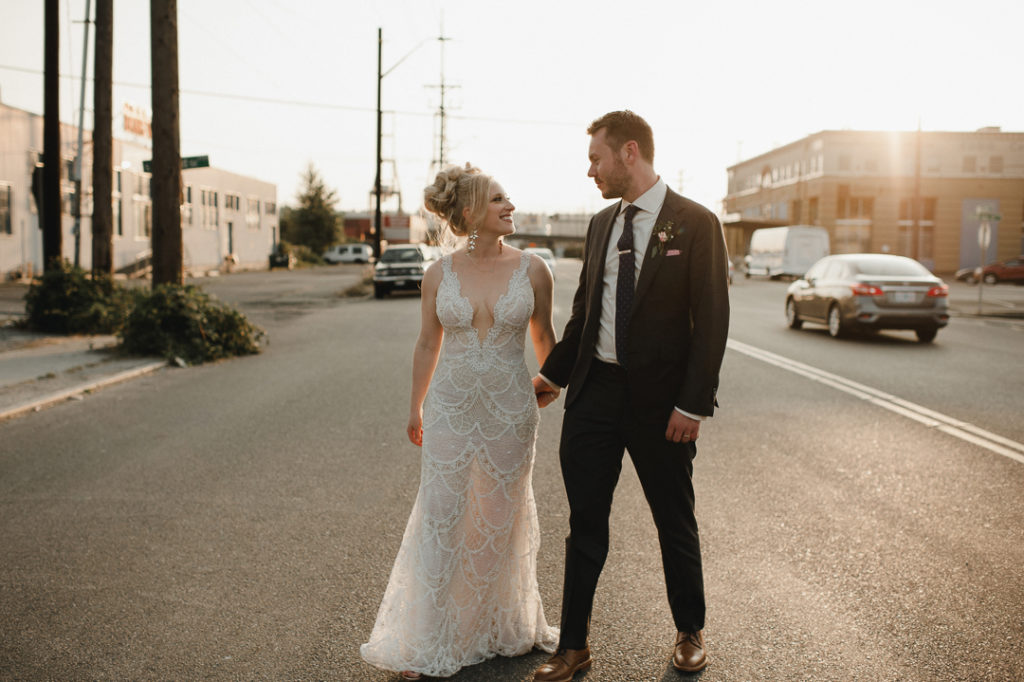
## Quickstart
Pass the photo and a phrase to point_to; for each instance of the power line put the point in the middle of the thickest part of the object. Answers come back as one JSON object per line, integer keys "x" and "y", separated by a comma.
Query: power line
{"x": 310, "y": 105}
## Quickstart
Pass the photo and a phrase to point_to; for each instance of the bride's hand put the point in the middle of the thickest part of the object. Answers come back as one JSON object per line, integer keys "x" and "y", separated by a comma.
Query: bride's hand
{"x": 546, "y": 393}
{"x": 415, "y": 429}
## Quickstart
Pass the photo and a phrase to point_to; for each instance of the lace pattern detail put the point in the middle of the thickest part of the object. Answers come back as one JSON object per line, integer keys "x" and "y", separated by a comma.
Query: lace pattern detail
{"x": 464, "y": 588}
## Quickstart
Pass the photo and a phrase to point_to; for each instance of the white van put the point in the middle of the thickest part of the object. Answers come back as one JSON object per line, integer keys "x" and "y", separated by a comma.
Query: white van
{"x": 349, "y": 253}
{"x": 786, "y": 251}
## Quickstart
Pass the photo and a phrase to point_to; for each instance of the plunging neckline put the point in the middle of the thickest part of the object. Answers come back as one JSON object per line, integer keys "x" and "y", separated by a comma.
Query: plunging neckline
{"x": 497, "y": 302}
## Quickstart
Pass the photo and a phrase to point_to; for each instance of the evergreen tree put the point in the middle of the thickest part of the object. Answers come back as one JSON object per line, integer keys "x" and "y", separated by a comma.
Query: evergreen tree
{"x": 314, "y": 222}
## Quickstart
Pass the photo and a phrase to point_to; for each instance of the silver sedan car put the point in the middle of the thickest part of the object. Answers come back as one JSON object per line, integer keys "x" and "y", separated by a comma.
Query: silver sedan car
{"x": 869, "y": 291}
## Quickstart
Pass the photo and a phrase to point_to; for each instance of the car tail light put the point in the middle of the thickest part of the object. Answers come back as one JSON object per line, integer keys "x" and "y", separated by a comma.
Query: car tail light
{"x": 866, "y": 290}
{"x": 938, "y": 292}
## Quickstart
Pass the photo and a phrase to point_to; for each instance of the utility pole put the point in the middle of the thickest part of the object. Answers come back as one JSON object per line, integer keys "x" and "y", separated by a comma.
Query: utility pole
{"x": 50, "y": 211}
{"x": 166, "y": 178}
{"x": 442, "y": 112}
{"x": 915, "y": 209}
{"x": 77, "y": 230}
{"x": 376, "y": 183}
{"x": 102, "y": 142}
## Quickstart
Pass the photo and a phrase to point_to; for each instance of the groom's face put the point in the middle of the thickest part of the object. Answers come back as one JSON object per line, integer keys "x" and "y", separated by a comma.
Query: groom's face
{"x": 607, "y": 167}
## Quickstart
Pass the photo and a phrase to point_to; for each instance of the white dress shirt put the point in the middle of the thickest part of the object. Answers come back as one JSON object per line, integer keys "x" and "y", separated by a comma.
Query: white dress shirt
{"x": 649, "y": 204}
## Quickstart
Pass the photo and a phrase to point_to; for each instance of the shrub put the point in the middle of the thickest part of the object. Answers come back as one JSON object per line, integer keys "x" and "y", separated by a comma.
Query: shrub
{"x": 67, "y": 300}
{"x": 185, "y": 322}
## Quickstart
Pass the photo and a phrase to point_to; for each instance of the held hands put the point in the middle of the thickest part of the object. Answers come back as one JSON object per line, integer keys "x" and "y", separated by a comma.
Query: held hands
{"x": 682, "y": 429}
{"x": 545, "y": 392}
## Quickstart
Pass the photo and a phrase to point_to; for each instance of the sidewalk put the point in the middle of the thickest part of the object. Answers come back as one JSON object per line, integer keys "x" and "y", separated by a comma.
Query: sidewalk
{"x": 37, "y": 370}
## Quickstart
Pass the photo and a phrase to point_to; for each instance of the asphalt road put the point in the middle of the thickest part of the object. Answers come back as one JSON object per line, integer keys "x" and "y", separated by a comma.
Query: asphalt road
{"x": 238, "y": 520}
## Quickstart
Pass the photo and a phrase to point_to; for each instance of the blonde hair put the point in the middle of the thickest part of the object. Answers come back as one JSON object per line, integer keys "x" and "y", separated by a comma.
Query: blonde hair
{"x": 455, "y": 189}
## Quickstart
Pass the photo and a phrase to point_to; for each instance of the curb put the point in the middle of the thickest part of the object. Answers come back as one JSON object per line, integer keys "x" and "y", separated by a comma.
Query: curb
{"x": 78, "y": 390}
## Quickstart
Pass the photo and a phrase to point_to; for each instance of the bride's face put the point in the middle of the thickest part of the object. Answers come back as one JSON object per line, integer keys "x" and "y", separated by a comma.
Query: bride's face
{"x": 498, "y": 218}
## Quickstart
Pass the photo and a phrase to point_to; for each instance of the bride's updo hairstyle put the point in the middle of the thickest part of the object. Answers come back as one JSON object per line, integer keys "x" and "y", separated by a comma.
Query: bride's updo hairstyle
{"x": 455, "y": 189}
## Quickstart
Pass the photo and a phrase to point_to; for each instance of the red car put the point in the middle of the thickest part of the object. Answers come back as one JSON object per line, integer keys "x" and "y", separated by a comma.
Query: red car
{"x": 1008, "y": 271}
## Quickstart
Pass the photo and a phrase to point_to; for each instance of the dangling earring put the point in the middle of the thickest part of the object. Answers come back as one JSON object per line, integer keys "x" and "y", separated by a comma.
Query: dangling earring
{"x": 501, "y": 245}
{"x": 472, "y": 241}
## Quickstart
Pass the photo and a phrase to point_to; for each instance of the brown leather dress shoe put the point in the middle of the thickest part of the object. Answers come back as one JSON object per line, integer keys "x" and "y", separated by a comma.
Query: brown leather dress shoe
{"x": 563, "y": 665}
{"x": 689, "y": 654}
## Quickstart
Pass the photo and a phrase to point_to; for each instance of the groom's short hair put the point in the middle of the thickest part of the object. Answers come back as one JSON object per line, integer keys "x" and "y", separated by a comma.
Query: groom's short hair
{"x": 621, "y": 127}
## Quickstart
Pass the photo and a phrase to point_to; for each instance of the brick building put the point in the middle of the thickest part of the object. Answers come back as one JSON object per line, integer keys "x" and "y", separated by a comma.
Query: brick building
{"x": 874, "y": 191}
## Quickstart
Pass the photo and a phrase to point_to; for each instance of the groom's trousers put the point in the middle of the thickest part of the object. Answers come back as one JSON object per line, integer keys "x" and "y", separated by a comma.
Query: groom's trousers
{"x": 596, "y": 429}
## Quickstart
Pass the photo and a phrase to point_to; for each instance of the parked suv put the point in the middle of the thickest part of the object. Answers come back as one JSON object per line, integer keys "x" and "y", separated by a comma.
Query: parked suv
{"x": 401, "y": 267}
{"x": 349, "y": 253}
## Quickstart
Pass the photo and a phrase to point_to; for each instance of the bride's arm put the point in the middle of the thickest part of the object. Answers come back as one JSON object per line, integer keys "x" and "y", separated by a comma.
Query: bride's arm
{"x": 425, "y": 352}
{"x": 542, "y": 329}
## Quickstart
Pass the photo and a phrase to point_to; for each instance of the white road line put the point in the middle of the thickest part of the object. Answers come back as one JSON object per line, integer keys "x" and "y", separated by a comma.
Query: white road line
{"x": 930, "y": 418}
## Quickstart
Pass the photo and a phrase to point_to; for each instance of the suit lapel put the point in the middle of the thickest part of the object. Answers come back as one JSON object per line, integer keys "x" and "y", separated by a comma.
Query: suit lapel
{"x": 670, "y": 212}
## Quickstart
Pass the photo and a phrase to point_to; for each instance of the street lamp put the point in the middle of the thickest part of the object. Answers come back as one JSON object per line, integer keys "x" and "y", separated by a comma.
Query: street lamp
{"x": 376, "y": 183}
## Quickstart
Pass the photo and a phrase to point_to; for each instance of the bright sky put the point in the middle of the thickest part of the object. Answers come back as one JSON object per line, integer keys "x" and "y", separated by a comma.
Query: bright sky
{"x": 269, "y": 86}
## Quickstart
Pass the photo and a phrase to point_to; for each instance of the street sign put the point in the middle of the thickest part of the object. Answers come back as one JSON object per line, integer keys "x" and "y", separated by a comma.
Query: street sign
{"x": 195, "y": 161}
{"x": 984, "y": 237}
{"x": 186, "y": 162}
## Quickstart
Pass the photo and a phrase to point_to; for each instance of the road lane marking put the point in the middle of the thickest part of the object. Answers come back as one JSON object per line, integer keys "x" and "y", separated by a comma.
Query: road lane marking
{"x": 949, "y": 425}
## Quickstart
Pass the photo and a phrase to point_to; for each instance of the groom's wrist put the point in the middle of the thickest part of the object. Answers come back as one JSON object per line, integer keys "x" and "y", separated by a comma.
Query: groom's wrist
{"x": 549, "y": 382}
{"x": 696, "y": 417}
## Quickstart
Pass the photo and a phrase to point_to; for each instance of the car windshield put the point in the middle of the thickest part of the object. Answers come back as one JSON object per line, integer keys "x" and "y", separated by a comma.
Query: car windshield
{"x": 401, "y": 256}
{"x": 896, "y": 267}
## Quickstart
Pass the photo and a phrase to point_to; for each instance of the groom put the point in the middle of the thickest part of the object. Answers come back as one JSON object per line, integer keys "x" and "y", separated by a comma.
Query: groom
{"x": 640, "y": 355}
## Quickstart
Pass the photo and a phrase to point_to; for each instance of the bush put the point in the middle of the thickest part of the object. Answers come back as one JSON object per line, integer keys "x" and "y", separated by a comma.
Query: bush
{"x": 306, "y": 255}
{"x": 67, "y": 300}
{"x": 185, "y": 322}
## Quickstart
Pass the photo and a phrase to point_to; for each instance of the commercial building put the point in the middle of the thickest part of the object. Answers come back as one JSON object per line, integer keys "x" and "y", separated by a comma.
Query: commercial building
{"x": 227, "y": 220}
{"x": 919, "y": 194}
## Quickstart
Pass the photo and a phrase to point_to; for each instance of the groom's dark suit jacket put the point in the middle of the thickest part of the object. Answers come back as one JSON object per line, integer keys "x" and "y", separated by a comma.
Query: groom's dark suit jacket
{"x": 680, "y": 317}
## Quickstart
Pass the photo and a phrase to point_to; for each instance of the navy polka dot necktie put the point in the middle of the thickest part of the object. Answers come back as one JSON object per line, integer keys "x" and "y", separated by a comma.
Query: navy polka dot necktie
{"x": 625, "y": 285}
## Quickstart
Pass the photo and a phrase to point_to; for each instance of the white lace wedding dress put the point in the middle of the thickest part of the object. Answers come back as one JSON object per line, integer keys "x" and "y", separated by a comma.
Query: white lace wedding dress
{"x": 464, "y": 585}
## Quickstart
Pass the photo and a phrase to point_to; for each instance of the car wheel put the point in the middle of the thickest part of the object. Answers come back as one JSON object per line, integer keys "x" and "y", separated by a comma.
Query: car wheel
{"x": 926, "y": 335}
{"x": 792, "y": 319}
{"x": 836, "y": 328}
{"x": 971, "y": 279}
{"x": 991, "y": 278}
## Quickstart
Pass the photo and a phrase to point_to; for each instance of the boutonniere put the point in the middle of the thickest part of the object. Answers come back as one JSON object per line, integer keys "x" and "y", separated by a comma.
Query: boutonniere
{"x": 663, "y": 233}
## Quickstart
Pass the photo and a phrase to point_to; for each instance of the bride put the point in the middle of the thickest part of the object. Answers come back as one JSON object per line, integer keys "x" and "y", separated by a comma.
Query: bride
{"x": 464, "y": 585}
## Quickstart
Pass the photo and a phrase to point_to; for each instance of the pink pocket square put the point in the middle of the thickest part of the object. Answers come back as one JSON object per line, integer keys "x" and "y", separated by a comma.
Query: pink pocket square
{"x": 672, "y": 252}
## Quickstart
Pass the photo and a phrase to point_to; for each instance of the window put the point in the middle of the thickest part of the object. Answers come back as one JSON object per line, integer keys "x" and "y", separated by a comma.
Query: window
{"x": 209, "y": 208}
{"x": 927, "y": 208}
{"x": 186, "y": 209}
{"x": 232, "y": 202}
{"x": 115, "y": 215}
{"x": 812, "y": 210}
{"x": 855, "y": 207}
{"x": 5, "y": 210}
{"x": 270, "y": 207}
{"x": 143, "y": 218}
{"x": 970, "y": 164}
{"x": 252, "y": 213}
{"x": 925, "y": 241}
{"x": 797, "y": 211}
{"x": 855, "y": 238}
{"x": 995, "y": 164}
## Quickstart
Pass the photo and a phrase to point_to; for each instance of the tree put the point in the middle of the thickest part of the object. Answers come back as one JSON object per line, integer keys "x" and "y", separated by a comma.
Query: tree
{"x": 314, "y": 222}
